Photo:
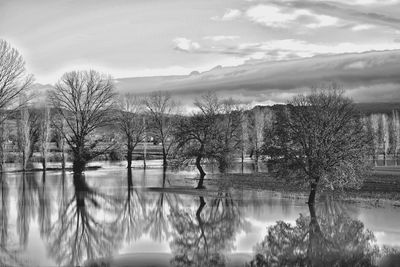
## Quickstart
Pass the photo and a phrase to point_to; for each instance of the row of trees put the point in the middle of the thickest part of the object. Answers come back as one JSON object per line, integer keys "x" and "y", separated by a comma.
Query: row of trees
{"x": 82, "y": 102}
{"x": 385, "y": 129}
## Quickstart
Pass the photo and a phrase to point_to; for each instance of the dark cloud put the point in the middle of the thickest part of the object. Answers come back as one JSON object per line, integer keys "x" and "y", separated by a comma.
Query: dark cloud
{"x": 363, "y": 75}
{"x": 345, "y": 12}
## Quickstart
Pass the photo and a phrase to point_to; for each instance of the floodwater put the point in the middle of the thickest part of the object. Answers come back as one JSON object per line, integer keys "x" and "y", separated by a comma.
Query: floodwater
{"x": 110, "y": 218}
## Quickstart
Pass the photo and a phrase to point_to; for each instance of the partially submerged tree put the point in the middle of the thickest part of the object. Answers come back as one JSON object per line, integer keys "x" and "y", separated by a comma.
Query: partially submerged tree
{"x": 213, "y": 133}
{"x": 162, "y": 111}
{"x": 196, "y": 135}
{"x": 130, "y": 122}
{"x": 320, "y": 137}
{"x": 83, "y": 99}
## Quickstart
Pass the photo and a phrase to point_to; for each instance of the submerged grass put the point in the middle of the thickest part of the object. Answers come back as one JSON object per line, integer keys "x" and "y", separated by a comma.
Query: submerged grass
{"x": 379, "y": 189}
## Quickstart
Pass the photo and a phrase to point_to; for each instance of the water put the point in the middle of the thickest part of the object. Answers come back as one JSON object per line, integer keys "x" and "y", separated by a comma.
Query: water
{"x": 56, "y": 220}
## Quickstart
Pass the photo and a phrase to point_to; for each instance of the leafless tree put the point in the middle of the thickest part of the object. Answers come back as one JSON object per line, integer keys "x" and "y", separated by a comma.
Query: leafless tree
{"x": 84, "y": 100}
{"x": 58, "y": 125}
{"x": 321, "y": 138}
{"x": 230, "y": 132}
{"x": 196, "y": 135}
{"x": 13, "y": 82}
{"x": 130, "y": 122}
{"x": 13, "y": 78}
{"x": 28, "y": 132}
{"x": 213, "y": 133}
{"x": 45, "y": 132}
{"x": 162, "y": 110}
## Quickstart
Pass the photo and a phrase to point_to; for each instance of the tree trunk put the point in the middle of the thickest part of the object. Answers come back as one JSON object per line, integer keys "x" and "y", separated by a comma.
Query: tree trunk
{"x": 78, "y": 166}
{"x": 44, "y": 163}
{"x": 164, "y": 176}
{"x": 62, "y": 160}
{"x": 144, "y": 153}
{"x": 242, "y": 166}
{"x": 202, "y": 173}
{"x": 129, "y": 157}
{"x": 165, "y": 163}
{"x": 311, "y": 198}
{"x": 24, "y": 161}
{"x": 384, "y": 159}
{"x": 2, "y": 147}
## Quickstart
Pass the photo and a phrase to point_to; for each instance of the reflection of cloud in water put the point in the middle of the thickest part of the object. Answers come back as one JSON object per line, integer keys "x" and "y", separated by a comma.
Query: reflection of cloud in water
{"x": 384, "y": 221}
{"x": 256, "y": 211}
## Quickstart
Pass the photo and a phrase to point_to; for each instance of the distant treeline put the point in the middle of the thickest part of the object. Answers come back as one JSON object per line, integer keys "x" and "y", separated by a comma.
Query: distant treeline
{"x": 255, "y": 124}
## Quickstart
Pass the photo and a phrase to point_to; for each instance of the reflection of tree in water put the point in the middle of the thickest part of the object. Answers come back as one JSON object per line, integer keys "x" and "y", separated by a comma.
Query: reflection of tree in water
{"x": 330, "y": 239}
{"x": 4, "y": 211}
{"x": 157, "y": 221}
{"x": 8, "y": 256}
{"x": 27, "y": 201}
{"x": 44, "y": 209}
{"x": 131, "y": 218}
{"x": 201, "y": 239}
{"x": 78, "y": 234}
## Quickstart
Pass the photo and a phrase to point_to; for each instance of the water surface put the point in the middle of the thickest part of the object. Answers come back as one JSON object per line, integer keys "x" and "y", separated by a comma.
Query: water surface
{"x": 56, "y": 219}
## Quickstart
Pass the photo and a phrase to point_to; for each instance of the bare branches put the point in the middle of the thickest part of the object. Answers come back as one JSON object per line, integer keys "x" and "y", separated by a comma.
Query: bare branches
{"x": 83, "y": 99}
{"x": 162, "y": 109}
{"x": 131, "y": 122}
{"x": 13, "y": 79}
{"x": 322, "y": 136}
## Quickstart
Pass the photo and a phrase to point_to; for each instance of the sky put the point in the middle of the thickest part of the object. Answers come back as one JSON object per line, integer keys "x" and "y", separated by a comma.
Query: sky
{"x": 176, "y": 37}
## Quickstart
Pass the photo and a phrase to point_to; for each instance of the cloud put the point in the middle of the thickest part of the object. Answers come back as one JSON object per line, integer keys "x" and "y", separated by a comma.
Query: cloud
{"x": 362, "y": 27}
{"x": 367, "y": 77}
{"x": 186, "y": 45}
{"x": 369, "y": 2}
{"x": 217, "y": 38}
{"x": 283, "y": 49}
{"x": 230, "y": 14}
{"x": 283, "y": 17}
{"x": 346, "y": 12}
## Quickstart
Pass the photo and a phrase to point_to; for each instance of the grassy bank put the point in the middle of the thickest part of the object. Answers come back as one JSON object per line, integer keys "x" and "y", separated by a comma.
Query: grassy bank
{"x": 377, "y": 189}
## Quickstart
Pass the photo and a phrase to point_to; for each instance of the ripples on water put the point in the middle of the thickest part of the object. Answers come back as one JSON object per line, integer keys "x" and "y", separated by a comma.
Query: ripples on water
{"x": 109, "y": 217}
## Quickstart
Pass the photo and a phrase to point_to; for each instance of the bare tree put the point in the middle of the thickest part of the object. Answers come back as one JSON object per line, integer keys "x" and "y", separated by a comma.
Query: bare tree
{"x": 45, "y": 132}
{"x": 321, "y": 137}
{"x": 28, "y": 132}
{"x": 130, "y": 122}
{"x": 13, "y": 82}
{"x": 13, "y": 78}
{"x": 84, "y": 100}
{"x": 58, "y": 124}
{"x": 162, "y": 110}
{"x": 212, "y": 133}
{"x": 197, "y": 135}
{"x": 230, "y": 132}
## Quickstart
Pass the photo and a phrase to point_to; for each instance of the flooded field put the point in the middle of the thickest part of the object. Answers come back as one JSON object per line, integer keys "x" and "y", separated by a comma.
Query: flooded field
{"x": 114, "y": 218}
